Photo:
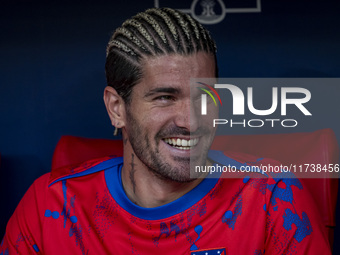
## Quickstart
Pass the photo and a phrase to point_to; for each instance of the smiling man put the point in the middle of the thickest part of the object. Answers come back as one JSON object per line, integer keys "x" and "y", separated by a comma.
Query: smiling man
{"x": 147, "y": 202}
{"x": 160, "y": 110}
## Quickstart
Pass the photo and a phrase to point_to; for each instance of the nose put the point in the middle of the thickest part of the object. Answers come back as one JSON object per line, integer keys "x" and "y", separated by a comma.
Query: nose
{"x": 187, "y": 116}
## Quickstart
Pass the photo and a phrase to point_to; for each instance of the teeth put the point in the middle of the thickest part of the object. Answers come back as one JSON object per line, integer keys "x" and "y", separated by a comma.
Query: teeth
{"x": 181, "y": 143}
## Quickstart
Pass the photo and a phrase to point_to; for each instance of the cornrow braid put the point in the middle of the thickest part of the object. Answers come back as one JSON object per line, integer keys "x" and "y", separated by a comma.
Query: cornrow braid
{"x": 126, "y": 33}
{"x": 156, "y": 27}
{"x": 140, "y": 29}
{"x": 170, "y": 25}
{"x": 152, "y": 33}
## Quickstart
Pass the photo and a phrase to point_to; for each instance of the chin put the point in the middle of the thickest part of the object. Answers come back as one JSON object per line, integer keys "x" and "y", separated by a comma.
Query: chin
{"x": 180, "y": 174}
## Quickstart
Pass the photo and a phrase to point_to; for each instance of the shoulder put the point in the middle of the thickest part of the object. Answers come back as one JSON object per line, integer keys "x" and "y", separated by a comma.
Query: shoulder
{"x": 83, "y": 169}
{"x": 48, "y": 188}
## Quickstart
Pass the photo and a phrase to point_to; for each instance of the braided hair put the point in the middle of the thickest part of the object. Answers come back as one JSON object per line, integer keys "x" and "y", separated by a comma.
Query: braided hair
{"x": 151, "y": 33}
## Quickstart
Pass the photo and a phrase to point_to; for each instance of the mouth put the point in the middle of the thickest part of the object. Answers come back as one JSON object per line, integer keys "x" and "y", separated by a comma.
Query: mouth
{"x": 182, "y": 144}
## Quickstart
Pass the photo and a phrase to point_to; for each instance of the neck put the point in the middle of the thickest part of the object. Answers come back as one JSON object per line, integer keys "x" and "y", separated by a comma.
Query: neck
{"x": 145, "y": 188}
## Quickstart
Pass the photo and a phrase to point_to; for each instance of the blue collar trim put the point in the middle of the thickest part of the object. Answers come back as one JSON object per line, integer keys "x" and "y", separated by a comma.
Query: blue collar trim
{"x": 114, "y": 183}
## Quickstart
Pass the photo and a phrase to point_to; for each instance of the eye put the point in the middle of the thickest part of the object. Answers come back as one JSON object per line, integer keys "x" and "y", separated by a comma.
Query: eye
{"x": 165, "y": 98}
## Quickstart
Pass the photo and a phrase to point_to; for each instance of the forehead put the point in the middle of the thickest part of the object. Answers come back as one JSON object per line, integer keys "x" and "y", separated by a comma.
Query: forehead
{"x": 176, "y": 70}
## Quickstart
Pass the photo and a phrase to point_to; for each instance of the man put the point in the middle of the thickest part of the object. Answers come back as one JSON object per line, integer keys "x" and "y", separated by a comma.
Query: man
{"x": 147, "y": 202}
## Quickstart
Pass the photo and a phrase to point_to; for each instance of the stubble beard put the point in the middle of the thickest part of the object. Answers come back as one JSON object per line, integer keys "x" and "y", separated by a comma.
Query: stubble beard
{"x": 153, "y": 160}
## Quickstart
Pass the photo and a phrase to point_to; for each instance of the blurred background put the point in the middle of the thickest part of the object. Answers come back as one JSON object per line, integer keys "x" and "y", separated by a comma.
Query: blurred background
{"x": 52, "y": 69}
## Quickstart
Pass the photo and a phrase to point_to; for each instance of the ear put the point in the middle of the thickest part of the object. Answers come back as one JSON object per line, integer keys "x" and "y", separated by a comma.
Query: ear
{"x": 115, "y": 107}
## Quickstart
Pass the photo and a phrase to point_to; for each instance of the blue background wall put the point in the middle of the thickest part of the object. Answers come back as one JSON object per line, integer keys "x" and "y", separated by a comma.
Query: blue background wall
{"x": 52, "y": 69}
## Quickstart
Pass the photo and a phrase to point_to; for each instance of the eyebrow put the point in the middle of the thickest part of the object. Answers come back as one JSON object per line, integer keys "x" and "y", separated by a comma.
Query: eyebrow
{"x": 169, "y": 90}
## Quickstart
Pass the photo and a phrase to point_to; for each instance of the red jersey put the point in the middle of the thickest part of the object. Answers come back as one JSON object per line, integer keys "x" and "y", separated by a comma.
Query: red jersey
{"x": 84, "y": 210}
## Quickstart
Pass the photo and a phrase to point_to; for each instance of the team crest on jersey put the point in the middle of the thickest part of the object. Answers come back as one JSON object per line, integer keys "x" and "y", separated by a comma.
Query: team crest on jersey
{"x": 212, "y": 11}
{"x": 215, "y": 251}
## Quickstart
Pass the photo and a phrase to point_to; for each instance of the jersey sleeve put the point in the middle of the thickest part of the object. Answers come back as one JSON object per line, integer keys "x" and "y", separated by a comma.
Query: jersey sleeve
{"x": 294, "y": 223}
{"x": 24, "y": 229}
